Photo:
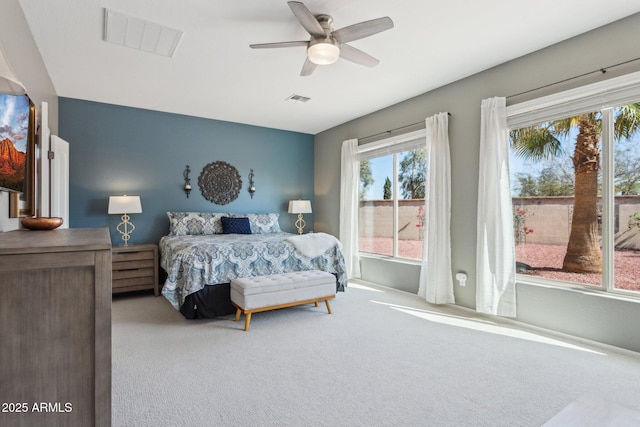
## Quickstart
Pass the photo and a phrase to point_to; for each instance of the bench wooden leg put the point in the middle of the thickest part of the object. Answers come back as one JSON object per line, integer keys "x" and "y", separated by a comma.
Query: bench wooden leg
{"x": 247, "y": 320}
{"x": 328, "y": 306}
{"x": 247, "y": 314}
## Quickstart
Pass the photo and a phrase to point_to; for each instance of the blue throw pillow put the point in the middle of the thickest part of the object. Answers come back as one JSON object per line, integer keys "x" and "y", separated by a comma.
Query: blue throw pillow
{"x": 235, "y": 225}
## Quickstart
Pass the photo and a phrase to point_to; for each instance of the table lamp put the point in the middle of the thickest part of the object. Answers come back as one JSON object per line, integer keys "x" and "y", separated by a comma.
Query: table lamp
{"x": 300, "y": 207}
{"x": 125, "y": 205}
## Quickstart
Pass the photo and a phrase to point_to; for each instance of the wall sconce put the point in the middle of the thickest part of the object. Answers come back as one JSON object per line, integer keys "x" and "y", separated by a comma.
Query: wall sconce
{"x": 125, "y": 205}
{"x": 187, "y": 181}
{"x": 252, "y": 188}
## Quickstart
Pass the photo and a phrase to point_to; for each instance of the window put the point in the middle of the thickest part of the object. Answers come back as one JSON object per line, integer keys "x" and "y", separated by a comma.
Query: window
{"x": 575, "y": 181}
{"x": 392, "y": 191}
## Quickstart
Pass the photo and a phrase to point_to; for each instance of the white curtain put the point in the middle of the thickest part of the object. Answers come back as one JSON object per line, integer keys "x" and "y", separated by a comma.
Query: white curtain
{"x": 349, "y": 184}
{"x": 436, "y": 283}
{"x": 495, "y": 255}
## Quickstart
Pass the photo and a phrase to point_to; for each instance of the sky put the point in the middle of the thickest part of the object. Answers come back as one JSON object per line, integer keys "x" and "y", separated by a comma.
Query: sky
{"x": 382, "y": 167}
{"x": 630, "y": 147}
{"x": 14, "y": 120}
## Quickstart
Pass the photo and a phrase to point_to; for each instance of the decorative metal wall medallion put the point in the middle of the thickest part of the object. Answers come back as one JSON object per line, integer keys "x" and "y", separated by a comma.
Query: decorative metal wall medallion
{"x": 220, "y": 183}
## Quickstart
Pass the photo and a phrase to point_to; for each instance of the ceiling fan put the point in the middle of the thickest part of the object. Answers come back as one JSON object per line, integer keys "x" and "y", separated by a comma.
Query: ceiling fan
{"x": 326, "y": 44}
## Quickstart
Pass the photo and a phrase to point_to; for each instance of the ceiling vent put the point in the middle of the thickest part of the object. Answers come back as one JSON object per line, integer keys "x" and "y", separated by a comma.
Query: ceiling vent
{"x": 135, "y": 33}
{"x": 297, "y": 98}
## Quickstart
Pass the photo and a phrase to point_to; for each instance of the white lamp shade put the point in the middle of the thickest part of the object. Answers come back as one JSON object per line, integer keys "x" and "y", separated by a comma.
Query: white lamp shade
{"x": 323, "y": 53}
{"x": 299, "y": 206}
{"x": 124, "y": 204}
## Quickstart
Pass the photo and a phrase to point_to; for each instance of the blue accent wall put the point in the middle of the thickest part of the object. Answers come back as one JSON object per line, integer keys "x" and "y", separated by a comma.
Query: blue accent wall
{"x": 115, "y": 150}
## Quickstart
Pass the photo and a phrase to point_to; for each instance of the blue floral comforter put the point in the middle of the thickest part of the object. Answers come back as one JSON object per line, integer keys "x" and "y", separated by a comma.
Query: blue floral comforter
{"x": 191, "y": 262}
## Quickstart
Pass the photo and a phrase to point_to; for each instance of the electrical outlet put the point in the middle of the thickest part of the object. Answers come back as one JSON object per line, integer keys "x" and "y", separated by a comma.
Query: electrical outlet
{"x": 461, "y": 277}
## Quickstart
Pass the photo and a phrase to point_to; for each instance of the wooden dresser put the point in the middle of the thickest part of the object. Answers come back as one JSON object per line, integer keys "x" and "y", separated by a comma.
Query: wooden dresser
{"x": 55, "y": 327}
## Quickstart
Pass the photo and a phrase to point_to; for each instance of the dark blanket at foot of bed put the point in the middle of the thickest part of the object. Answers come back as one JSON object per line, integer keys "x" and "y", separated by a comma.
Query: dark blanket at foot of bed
{"x": 208, "y": 302}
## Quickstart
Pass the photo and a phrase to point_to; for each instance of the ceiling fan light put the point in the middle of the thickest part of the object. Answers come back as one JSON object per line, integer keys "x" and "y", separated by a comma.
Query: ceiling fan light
{"x": 323, "y": 53}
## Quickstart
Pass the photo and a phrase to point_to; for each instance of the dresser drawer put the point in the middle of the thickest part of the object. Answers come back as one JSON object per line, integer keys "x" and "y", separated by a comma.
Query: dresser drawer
{"x": 134, "y": 255}
{"x": 125, "y": 265}
{"x": 132, "y": 277}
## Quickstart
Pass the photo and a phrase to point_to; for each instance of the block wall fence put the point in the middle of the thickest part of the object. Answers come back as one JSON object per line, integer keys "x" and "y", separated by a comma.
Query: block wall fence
{"x": 548, "y": 217}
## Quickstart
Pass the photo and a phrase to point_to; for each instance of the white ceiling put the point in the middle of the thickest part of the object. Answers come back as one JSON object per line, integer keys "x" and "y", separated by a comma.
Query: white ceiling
{"x": 214, "y": 74}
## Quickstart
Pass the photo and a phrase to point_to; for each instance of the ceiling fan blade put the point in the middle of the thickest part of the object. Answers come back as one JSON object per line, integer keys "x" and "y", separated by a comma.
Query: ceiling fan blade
{"x": 363, "y": 29}
{"x": 308, "y": 68}
{"x": 352, "y": 54}
{"x": 306, "y": 18}
{"x": 278, "y": 44}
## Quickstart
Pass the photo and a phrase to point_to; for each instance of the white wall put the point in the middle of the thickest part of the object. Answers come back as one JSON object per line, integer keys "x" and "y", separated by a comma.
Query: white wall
{"x": 572, "y": 311}
{"x": 25, "y": 60}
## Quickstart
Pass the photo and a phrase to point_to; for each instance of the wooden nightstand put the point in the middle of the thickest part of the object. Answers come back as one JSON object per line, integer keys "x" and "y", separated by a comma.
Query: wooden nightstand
{"x": 135, "y": 267}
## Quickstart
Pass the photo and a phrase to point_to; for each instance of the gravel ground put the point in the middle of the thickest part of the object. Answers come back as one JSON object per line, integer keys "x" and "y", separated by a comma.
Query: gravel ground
{"x": 546, "y": 261}
{"x": 384, "y": 246}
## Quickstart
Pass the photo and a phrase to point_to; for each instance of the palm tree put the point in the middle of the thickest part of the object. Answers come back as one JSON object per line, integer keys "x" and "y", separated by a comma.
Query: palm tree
{"x": 542, "y": 142}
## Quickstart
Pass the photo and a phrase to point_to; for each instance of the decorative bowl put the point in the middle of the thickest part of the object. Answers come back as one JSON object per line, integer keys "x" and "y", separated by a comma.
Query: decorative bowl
{"x": 41, "y": 223}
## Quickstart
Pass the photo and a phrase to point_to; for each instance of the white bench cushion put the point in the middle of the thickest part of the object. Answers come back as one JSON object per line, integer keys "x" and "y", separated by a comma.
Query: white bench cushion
{"x": 251, "y": 293}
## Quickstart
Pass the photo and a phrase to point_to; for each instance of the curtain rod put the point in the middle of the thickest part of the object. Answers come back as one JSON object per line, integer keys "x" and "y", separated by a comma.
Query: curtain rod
{"x": 386, "y": 132}
{"x": 600, "y": 70}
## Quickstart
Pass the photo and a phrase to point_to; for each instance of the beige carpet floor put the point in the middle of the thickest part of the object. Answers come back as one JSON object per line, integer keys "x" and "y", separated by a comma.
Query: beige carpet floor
{"x": 383, "y": 358}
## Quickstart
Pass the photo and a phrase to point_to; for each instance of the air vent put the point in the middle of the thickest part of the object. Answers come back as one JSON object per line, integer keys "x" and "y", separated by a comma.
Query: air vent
{"x": 297, "y": 98}
{"x": 135, "y": 33}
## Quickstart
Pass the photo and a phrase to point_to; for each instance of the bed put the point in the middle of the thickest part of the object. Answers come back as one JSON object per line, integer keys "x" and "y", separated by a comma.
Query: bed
{"x": 200, "y": 259}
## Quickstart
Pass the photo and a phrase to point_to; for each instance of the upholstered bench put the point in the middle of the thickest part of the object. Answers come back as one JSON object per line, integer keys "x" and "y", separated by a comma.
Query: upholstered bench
{"x": 261, "y": 293}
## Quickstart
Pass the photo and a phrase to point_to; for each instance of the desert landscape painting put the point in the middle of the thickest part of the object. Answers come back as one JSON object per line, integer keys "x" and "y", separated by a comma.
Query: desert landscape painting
{"x": 14, "y": 130}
